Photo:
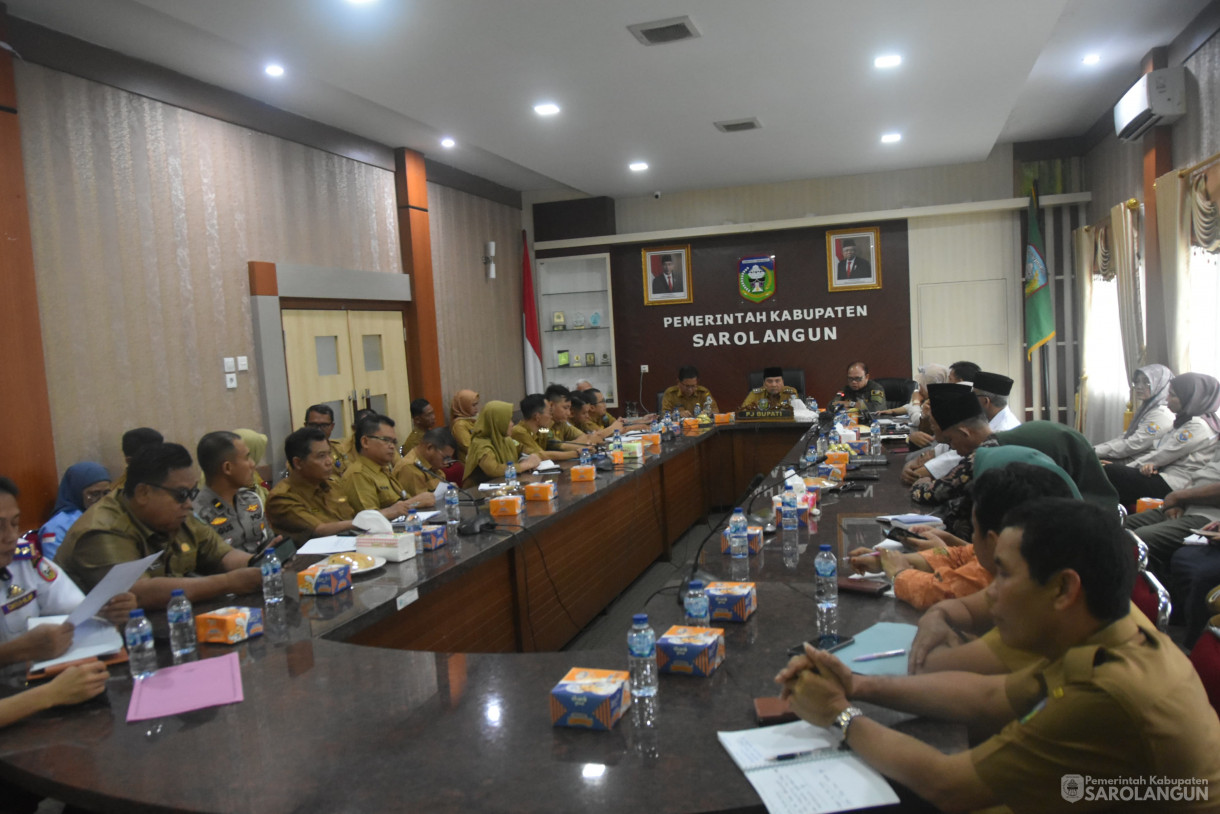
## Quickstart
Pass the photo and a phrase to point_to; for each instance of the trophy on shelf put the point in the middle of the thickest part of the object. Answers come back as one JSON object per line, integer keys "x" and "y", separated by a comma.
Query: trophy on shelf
{"x": 590, "y": 360}
{"x": 578, "y": 322}
{"x": 557, "y": 321}
{"x": 563, "y": 358}
{"x": 606, "y": 359}
{"x": 595, "y": 321}
{"x": 576, "y": 362}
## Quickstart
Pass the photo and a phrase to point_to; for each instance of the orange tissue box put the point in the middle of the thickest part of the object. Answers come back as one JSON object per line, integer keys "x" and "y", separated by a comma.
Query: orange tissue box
{"x": 545, "y": 490}
{"x": 731, "y": 601}
{"x": 324, "y": 579}
{"x": 754, "y": 540}
{"x": 229, "y": 625}
{"x": 1147, "y": 503}
{"x": 858, "y": 447}
{"x": 590, "y": 699}
{"x": 432, "y": 538}
{"x": 692, "y": 651}
{"x": 723, "y": 418}
{"x": 652, "y": 439}
{"x": 838, "y": 457}
{"x": 506, "y": 505}
{"x": 583, "y": 473}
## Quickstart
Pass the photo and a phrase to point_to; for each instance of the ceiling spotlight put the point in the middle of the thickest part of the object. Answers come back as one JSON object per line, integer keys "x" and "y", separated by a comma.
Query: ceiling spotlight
{"x": 361, "y": 2}
{"x": 546, "y": 109}
{"x": 274, "y": 70}
{"x": 448, "y": 143}
{"x": 638, "y": 166}
{"x": 1091, "y": 59}
{"x": 890, "y": 138}
{"x": 887, "y": 61}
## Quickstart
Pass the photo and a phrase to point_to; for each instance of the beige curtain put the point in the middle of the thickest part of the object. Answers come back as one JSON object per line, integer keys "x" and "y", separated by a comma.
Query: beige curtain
{"x": 1189, "y": 243}
{"x": 1173, "y": 244}
{"x": 1125, "y": 221}
{"x": 1082, "y": 249}
{"x": 1103, "y": 391}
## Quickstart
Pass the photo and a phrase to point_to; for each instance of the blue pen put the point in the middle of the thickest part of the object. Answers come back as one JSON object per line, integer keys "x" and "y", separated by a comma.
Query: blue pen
{"x": 884, "y": 654}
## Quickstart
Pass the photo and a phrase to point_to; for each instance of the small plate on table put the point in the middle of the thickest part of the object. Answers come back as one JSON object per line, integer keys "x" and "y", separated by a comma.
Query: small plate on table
{"x": 360, "y": 563}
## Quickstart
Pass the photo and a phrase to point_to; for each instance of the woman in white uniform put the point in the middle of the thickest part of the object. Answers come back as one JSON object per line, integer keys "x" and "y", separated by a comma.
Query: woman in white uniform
{"x": 1152, "y": 419}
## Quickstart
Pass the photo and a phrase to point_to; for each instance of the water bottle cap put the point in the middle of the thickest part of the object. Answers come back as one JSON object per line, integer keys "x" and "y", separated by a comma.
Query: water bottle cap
{"x": 824, "y": 547}
{"x": 138, "y": 613}
{"x": 738, "y": 509}
{"x": 694, "y": 583}
{"x": 639, "y": 618}
{"x": 177, "y": 592}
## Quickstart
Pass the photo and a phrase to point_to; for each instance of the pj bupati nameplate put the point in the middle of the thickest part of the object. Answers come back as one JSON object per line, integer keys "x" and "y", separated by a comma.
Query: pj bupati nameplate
{"x": 770, "y": 414}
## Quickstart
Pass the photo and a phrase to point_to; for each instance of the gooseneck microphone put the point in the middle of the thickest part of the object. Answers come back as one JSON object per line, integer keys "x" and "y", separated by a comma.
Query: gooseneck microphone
{"x": 746, "y": 499}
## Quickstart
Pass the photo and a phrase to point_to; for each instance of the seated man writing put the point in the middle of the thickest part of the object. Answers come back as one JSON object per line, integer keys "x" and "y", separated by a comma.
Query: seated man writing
{"x": 153, "y": 514}
{"x": 367, "y": 482}
{"x": 1112, "y": 698}
{"x": 687, "y": 394}
{"x": 421, "y": 469}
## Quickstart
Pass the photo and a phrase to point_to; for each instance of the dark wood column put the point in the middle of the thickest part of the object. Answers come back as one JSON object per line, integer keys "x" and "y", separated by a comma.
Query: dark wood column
{"x": 27, "y": 450}
{"x": 423, "y": 351}
{"x": 1158, "y": 160}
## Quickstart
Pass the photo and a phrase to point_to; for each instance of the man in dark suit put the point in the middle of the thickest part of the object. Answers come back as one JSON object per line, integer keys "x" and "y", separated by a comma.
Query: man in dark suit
{"x": 668, "y": 281}
{"x": 852, "y": 267}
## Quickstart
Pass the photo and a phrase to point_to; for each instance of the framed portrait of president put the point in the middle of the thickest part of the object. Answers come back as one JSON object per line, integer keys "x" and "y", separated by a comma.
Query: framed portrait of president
{"x": 667, "y": 277}
{"x": 853, "y": 259}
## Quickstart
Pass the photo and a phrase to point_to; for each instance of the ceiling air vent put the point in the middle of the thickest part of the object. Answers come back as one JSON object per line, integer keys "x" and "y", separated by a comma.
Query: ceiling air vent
{"x": 660, "y": 32}
{"x": 737, "y": 125}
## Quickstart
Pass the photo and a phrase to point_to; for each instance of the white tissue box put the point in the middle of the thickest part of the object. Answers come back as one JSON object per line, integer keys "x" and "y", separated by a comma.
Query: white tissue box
{"x": 395, "y": 547}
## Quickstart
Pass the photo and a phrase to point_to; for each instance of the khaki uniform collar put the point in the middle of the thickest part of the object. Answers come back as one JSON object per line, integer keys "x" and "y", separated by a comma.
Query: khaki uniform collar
{"x": 1079, "y": 661}
{"x": 142, "y": 529}
{"x": 307, "y": 486}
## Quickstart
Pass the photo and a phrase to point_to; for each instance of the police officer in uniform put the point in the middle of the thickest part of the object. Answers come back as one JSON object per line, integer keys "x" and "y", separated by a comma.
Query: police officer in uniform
{"x": 773, "y": 394}
{"x": 420, "y": 470}
{"x": 226, "y": 503}
{"x": 687, "y": 394}
{"x": 367, "y": 482}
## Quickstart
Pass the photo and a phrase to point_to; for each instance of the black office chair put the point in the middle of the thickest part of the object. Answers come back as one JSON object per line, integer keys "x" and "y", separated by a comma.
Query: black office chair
{"x": 793, "y": 377}
{"x": 660, "y": 398}
{"x": 897, "y": 391}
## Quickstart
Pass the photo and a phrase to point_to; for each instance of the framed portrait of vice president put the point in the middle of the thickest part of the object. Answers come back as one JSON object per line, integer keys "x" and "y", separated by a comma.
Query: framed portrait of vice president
{"x": 853, "y": 259}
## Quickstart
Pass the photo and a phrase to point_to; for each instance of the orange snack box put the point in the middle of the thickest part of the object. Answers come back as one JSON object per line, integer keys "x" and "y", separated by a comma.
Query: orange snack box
{"x": 723, "y": 418}
{"x": 545, "y": 490}
{"x": 324, "y": 578}
{"x": 652, "y": 439}
{"x": 583, "y": 473}
{"x": 506, "y": 505}
{"x": 590, "y": 699}
{"x": 1147, "y": 503}
{"x": 229, "y": 625}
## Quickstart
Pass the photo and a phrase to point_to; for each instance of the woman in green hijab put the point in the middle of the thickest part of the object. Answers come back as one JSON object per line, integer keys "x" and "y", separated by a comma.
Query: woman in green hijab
{"x": 256, "y": 442}
{"x": 490, "y": 447}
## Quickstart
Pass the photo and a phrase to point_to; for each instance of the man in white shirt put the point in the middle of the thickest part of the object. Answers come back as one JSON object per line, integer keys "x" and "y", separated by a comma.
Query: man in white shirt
{"x": 992, "y": 390}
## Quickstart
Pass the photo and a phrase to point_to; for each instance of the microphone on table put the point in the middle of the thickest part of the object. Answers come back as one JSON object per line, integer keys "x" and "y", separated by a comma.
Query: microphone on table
{"x": 749, "y": 495}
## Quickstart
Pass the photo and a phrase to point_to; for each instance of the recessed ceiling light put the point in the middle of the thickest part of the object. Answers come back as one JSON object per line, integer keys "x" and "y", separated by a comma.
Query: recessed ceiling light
{"x": 638, "y": 166}
{"x": 887, "y": 61}
{"x": 546, "y": 109}
{"x": 273, "y": 69}
{"x": 361, "y": 2}
{"x": 448, "y": 143}
{"x": 1091, "y": 59}
{"x": 890, "y": 138}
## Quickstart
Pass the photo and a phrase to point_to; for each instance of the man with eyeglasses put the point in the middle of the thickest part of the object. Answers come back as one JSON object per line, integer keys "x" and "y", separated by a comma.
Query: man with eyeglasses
{"x": 154, "y": 513}
{"x": 860, "y": 392}
{"x": 367, "y": 482}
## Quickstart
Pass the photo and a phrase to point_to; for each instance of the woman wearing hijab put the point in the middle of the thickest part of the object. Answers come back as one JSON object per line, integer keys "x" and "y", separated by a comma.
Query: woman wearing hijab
{"x": 256, "y": 442}
{"x": 490, "y": 447}
{"x": 82, "y": 485}
{"x": 928, "y": 374}
{"x": 1152, "y": 419}
{"x": 1178, "y": 454}
{"x": 463, "y": 410}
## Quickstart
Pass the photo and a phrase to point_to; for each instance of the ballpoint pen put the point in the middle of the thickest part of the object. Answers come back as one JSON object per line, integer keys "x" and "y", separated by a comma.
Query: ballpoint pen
{"x": 884, "y": 654}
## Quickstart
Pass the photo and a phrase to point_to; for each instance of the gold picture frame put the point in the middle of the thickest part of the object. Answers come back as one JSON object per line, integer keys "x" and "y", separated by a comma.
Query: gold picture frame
{"x": 656, "y": 290}
{"x": 862, "y": 270}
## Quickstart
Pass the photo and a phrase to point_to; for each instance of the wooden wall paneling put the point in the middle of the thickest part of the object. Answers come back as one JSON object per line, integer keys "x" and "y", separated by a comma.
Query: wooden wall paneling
{"x": 684, "y": 497}
{"x": 423, "y": 354}
{"x": 26, "y": 434}
{"x": 471, "y": 614}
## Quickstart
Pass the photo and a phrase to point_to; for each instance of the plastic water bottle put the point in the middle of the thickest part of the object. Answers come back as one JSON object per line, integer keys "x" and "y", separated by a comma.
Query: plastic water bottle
{"x": 585, "y": 457}
{"x": 618, "y": 440}
{"x": 510, "y": 476}
{"x": 874, "y": 439}
{"x": 788, "y": 508}
{"x": 707, "y": 406}
{"x": 642, "y": 656}
{"x": 141, "y": 653}
{"x": 827, "y": 591}
{"x": 739, "y": 545}
{"x": 697, "y": 411}
{"x": 655, "y": 426}
{"x": 813, "y": 404}
{"x": 697, "y": 614}
{"x": 414, "y": 524}
{"x": 835, "y": 438}
{"x": 453, "y": 509}
{"x": 181, "y": 618}
{"x": 823, "y": 444}
{"x": 273, "y": 578}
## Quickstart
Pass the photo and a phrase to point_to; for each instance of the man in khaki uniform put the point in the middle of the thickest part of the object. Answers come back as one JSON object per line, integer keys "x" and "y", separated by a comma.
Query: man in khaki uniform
{"x": 1113, "y": 701}
{"x": 420, "y": 470}
{"x": 423, "y": 418}
{"x": 153, "y": 514}
{"x": 322, "y": 418}
{"x": 773, "y": 394}
{"x": 687, "y": 394}
{"x": 562, "y": 430}
{"x": 367, "y": 482}
{"x": 533, "y": 434}
{"x": 307, "y": 504}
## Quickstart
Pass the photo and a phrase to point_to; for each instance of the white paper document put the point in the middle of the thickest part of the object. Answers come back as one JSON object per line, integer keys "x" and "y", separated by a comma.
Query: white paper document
{"x": 547, "y": 466}
{"x": 93, "y": 637}
{"x": 825, "y": 781}
{"x": 328, "y": 545}
{"x": 118, "y": 579}
{"x": 491, "y": 487}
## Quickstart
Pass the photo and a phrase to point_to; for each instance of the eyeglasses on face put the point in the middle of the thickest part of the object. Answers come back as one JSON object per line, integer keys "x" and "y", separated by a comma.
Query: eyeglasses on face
{"x": 388, "y": 439}
{"x": 325, "y": 426}
{"x": 184, "y": 494}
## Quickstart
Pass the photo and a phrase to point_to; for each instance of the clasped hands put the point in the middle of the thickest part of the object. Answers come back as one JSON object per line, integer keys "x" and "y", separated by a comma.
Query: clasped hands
{"x": 816, "y": 685}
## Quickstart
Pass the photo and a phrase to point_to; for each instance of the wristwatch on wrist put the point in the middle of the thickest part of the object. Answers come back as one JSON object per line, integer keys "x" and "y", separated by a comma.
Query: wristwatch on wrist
{"x": 843, "y": 720}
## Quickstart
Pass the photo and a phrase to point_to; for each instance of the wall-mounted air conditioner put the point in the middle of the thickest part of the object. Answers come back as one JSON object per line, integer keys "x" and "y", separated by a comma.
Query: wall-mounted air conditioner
{"x": 1158, "y": 98}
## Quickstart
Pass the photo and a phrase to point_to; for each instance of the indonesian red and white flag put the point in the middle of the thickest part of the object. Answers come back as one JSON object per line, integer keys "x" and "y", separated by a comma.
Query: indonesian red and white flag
{"x": 532, "y": 346}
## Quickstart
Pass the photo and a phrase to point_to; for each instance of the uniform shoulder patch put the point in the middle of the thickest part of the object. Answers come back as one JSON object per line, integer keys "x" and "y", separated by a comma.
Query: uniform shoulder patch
{"x": 46, "y": 570}
{"x": 1153, "y": 428}
{"x": 1185, "y": 435}
{"x": 757, "y": 390}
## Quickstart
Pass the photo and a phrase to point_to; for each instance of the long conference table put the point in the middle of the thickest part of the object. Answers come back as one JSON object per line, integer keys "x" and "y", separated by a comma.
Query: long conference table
{"x": 426, "y": 687}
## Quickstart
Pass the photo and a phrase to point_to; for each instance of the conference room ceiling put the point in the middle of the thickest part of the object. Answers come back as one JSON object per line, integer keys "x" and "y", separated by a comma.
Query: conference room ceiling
{"x": 974, "y": 73}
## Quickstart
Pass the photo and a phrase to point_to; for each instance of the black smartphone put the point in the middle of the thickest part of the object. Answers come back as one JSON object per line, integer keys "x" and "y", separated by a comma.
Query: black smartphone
{"x": 828, "y": 643}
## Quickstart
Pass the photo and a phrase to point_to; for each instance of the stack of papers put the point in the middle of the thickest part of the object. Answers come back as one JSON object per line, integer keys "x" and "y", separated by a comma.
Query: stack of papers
{"x": 187, "y": 687}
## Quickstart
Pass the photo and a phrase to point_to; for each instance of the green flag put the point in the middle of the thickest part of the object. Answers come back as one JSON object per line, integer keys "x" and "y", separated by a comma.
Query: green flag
{"x": 1039, "y": 316}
